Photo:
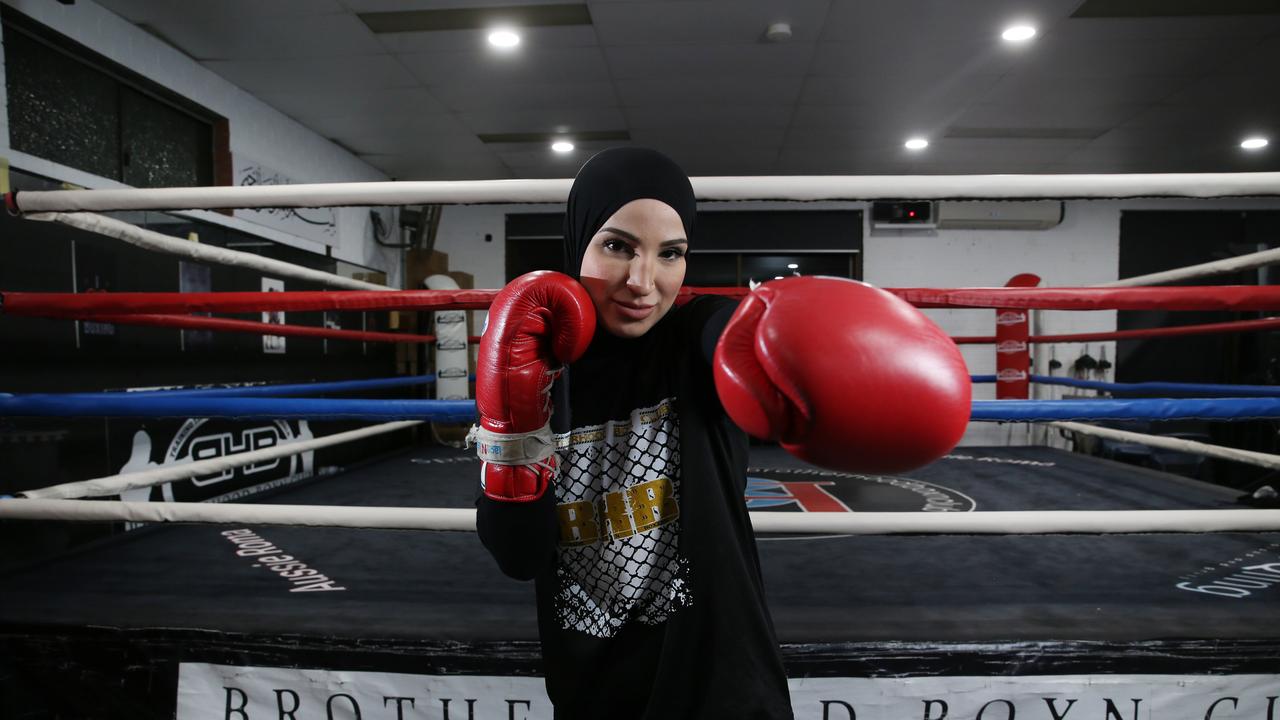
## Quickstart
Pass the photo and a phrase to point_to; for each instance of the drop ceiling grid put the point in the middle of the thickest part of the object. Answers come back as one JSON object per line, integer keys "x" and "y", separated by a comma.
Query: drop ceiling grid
{"x": 696, "y": 77}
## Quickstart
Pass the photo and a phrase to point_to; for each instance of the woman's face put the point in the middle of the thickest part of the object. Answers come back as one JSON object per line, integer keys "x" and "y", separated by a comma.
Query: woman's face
{"x": 634, "y": 266}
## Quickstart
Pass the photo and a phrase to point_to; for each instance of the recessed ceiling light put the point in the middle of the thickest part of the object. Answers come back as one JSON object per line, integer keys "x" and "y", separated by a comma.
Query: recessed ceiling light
{"x": 562, "y": 146}
{"x": 777, "y": 277}
{"x": 778, "y": 32}
{"x": 1018, "y": 33}
{"x": 504, "y": 39}
{"x": 916, "y": 144}
{"x": 792, "y": 266}
{"x": 1254, "y": 143}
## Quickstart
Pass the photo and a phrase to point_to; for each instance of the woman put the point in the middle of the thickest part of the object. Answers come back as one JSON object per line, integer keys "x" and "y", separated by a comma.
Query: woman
{"x": 650, "y": 599}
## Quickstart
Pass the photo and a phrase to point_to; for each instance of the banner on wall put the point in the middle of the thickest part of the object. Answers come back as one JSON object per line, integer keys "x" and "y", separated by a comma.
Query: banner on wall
{"x": 318, "y": 224}
{"x": 221, "y": 692}
{"x": 273, "y": 344}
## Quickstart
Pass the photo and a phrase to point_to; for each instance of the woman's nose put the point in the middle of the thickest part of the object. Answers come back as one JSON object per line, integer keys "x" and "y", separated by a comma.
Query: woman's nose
{"x": 640, "y": 276}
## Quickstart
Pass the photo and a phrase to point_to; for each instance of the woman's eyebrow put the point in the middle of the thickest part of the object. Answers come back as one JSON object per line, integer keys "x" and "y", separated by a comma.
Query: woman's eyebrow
{"x": 634, "y": 239}
{"x": 623, "y": 233}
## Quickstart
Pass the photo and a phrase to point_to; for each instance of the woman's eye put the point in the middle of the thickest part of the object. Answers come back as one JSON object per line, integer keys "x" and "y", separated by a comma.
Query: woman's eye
{"x": 672, "y": 254}
{"x": 616, "y": 246}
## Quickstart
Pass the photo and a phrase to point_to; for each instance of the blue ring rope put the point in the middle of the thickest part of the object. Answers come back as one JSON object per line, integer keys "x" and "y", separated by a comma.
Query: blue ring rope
{"x": 1150, "y": 388}
{"x": 259, "y": 390}
{"x": 114, "y": 405}
{"x": 465, "y": 410}
{"x": 1144, "y": 409}
{"x": 1164, "y": 388}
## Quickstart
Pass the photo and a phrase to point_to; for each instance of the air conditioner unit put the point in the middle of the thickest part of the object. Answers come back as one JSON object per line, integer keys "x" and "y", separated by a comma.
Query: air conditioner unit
{"x": 999, "y": 215}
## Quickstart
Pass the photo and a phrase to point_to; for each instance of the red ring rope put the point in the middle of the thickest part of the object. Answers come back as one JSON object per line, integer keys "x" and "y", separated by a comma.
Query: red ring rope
{"x": 1213, "y": 297}
{"x": 1205, "y": 329}
{"x": 1210, "y": 297}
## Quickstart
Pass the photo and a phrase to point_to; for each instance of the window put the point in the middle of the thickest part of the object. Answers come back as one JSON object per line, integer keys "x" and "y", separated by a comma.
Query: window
{"x": 74, "y": 107}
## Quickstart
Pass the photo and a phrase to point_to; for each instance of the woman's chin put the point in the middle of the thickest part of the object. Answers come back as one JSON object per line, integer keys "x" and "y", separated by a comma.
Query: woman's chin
{"x": 626, "y": 328}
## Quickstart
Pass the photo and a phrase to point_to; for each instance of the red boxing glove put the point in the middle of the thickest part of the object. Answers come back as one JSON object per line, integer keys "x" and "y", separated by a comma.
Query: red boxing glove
{"x": 537, "y": 323}
{"x": 846, "y": 376}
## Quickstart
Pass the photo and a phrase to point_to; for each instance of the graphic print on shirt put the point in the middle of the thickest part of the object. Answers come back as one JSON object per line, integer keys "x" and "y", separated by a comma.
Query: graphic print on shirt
{"x": 618, "y": 502}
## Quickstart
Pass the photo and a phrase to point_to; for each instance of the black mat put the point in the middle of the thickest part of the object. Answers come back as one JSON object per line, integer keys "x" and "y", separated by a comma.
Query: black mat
{"x": 412, "y": 586}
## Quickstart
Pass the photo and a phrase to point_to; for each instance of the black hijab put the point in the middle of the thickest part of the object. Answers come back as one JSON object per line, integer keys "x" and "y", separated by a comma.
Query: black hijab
{"x": 612, "y": 178}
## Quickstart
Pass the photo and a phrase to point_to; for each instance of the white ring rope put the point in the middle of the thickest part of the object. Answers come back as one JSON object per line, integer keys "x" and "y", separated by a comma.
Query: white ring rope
{"x": 151, "y": 240}
{"x": 861, "y": 523}
{"x": 805, "y": 188}
{"x": 794, "y": 188}
{"x": 116, "y": 484}
{"x": 1216, "y": 267}
{"x": 1169, "y": 443}
{"x": 160, "y": 242}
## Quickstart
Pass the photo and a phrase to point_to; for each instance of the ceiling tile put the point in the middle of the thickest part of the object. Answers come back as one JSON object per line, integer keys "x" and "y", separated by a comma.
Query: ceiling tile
{"x": 831, "y": 161}
{"x": 1260, "y": 56}
{"x": 1225, "y": 118}
{"x": 363, "y": 6}
{"x": 912, "y": 109}
{"x": 230, "y": 37}
{"x": 1058, "y": 55}
{"x": 381, "y": 107}
{"x": 1029, "y": 89}
{"x": 335, "y": 76}
{"x": 704, "y": 114}
{"x": 920, "y": 22}
{"x": 729, "y": 89}
{"x": 382, "y": 135}
{"x": 540, "y": 162}
{"x": 1111, "y": 30}
{"x": 726, "y": 159}
{"x": 711, "y": 135}
{"x": 706, "y": 22}
{"x": 986, "y": 155}
{"x": 525, "y": 96}
{"x": 561, "y": 64}
{"x": 910, "y": 61}
{"x": 477, "y": 40}
{"x": 409, "y": 141}
{"x": 440, "y": 165}
{"x": 548, "y": 119}
{"x": 150, "y": 11}
{"x": 696, "y": 77}
{"x": 1143, "y": 152}
{"x": 839, "y": 138}
{"x": 1067, "y": 115}
{"x": 753, "y": 60}
{"x": 1236, "y": 91}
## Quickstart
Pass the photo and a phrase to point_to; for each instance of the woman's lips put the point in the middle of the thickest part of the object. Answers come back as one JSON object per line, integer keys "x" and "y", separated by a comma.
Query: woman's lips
{"x": 632, "y": 311}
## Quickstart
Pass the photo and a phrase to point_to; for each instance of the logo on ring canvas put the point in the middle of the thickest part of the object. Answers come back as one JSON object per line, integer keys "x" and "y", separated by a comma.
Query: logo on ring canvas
{"x": 814, "y": 490}
{"x": 208, "y": 438}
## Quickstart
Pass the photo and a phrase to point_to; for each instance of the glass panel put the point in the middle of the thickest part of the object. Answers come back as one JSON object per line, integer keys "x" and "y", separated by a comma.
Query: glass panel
{"x": 60, "y": 109}
{"x": 711, "y": 269}
{"x": 761, "y": 267}
{"x": 163, "y": 146}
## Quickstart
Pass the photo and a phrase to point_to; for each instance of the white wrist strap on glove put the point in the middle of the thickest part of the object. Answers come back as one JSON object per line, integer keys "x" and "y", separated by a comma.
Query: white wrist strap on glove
{"x": 528, "y": 448}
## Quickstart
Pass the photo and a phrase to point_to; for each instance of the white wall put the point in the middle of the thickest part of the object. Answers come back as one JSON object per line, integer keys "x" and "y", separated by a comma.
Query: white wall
{"x": 1083, "y": 250}
{"x": 260, "y": 135}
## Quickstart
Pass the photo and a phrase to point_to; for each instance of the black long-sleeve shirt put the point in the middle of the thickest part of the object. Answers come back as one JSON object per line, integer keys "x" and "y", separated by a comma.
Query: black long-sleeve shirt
{"x": 650, "y": 599}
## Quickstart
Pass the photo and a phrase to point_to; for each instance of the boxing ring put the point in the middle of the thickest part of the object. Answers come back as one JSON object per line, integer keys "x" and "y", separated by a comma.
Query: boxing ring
{"x": 1003, "y": 564}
